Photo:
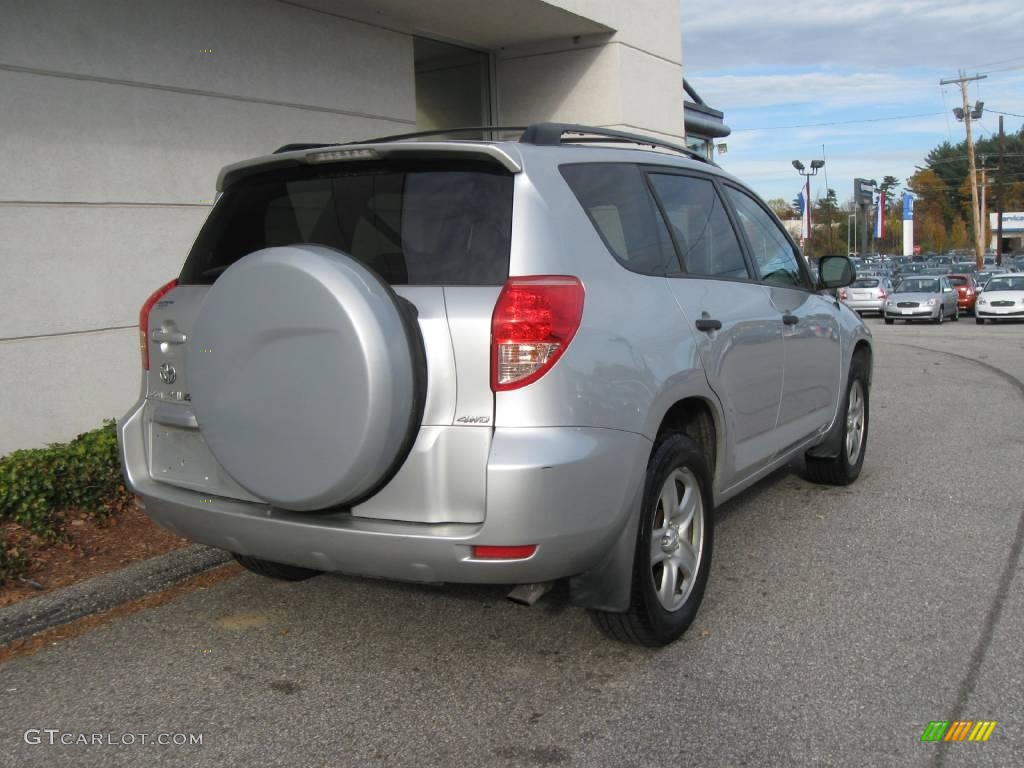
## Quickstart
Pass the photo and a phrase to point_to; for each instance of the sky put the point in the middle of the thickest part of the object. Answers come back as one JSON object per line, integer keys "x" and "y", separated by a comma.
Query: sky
{"x": 780, "y": 70}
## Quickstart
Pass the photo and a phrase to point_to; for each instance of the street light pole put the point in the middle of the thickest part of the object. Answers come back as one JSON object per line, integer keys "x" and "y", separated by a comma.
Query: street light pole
{"x": 816, "y": 165}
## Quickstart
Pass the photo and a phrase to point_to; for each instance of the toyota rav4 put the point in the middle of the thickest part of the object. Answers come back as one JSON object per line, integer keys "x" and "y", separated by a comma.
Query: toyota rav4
{"x": 491, "y": 361}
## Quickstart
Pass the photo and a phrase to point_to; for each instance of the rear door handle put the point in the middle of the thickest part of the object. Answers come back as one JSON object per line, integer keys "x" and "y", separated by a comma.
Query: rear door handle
{"x": 171, "y": 337}
{"x": 789, "y": 319}
{"x": 707, "y": 324}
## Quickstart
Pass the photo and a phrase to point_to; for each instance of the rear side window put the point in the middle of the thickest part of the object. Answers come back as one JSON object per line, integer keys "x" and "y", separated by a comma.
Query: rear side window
{"x": 414, "y": 224}
{"x": 700, "y": 225}
{"x": 619, "y": 205}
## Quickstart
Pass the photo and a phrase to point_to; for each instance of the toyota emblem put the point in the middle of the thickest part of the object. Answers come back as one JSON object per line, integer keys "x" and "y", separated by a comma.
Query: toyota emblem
{"x": 167, "y": 373}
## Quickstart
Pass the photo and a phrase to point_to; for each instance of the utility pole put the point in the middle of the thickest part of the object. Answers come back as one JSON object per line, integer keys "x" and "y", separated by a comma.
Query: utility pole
{"x": 1000, "y": 189}
{"x": 966, "y": 114}
{"x": 984, "y": 187}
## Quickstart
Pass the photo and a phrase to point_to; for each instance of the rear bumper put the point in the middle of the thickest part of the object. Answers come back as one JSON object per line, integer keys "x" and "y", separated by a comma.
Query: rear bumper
{"x": 865, "y": 305}
{"x": 567, "y": 490}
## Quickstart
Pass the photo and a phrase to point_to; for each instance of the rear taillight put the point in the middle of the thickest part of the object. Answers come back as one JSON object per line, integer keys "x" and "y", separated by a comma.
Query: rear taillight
{"x": 842, "y": 293}
{"x": 534, "y": 320}
{"x": 882, "y": 294}
{"x": 144, "y": 321}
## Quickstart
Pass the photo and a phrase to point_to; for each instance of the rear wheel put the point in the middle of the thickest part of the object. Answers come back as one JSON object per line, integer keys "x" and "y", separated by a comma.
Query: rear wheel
{"x": 673, "y": 550}
{"x": 845, "y": 468}
{"x": 275, "y": 570}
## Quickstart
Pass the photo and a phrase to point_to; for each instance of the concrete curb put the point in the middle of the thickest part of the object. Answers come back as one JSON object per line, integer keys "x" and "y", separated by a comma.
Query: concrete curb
{"x": 107, "y": 591}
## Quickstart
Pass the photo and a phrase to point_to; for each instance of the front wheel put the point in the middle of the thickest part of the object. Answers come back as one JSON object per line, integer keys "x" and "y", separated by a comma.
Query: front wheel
{"x": 888, "y": 320}
{"x": 942, "y": 314}
{"x": 673, "y": 549}
{"x": 845, "y": 468}
{"x": 956, "y": 315}
{"x": 979, "y": 320}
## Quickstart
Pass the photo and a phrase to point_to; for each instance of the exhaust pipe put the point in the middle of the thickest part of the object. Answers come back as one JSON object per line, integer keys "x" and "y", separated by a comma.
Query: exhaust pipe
{"x": 528, "y": 594}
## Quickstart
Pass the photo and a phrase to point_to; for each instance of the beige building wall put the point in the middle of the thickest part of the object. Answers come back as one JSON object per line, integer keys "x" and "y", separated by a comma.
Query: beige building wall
{"x": 115, "y": 116}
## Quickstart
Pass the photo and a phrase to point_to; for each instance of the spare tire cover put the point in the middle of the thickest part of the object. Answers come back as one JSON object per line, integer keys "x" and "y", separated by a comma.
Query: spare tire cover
{"x": 303, "y": 377}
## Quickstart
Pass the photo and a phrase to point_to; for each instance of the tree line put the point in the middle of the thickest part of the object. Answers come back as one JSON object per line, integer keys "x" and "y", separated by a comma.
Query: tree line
{"x": 942, "y": 209}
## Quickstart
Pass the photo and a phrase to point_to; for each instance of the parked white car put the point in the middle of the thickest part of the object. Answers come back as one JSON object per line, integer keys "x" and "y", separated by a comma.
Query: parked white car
{"x": 1001, "y": 299}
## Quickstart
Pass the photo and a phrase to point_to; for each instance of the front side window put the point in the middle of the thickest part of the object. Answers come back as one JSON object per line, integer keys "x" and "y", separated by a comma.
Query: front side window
{"x": 619, "y": 205}
{"x": 701, "y": 227}
{"x": 776, "y": 259}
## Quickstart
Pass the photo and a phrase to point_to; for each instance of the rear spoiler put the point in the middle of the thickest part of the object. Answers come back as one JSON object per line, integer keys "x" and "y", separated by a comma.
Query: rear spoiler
{"x": 293, "y": 155}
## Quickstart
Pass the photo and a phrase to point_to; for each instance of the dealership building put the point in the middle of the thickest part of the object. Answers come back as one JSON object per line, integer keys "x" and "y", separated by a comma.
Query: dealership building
{"x": 117, "y": 115}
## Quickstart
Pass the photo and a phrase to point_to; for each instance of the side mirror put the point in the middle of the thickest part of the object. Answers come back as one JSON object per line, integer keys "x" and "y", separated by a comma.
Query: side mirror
{"x": 835, "y": 272}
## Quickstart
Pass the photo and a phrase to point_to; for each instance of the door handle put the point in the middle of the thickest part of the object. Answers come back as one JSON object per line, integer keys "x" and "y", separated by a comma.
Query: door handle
{"x": 789, "y": 319}
{"x": 707, "y": 324}
{"x": 171, "y": 337}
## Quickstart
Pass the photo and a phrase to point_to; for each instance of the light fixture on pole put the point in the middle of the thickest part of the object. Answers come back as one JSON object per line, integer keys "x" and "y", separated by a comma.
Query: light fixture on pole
{"x": 816, "y": 165}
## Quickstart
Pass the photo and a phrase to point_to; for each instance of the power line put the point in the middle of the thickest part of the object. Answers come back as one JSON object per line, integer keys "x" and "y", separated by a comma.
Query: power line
{"x": 997, "y": 63}
{"x": 1008, "y": 114}
{"x": 838, "y": 122}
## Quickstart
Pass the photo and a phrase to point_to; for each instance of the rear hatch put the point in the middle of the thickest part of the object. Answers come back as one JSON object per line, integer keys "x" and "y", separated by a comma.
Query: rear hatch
{"x": 436, "y": 231}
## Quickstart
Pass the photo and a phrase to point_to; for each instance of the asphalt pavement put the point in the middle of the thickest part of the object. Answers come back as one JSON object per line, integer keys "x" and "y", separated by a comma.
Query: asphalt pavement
{"x": 837, "y": 624}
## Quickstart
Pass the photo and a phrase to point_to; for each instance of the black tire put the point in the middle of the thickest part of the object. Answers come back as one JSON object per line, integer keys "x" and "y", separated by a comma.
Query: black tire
{"x": 888, "y": 320}
{"x": 647, "y": 622}
{"x": 275, "y": 570}
{"x": 941, "y": 317}
{"x": 979, "y": 320}
{"x": 839, "y": 470}
{"x": 956, "y": 314}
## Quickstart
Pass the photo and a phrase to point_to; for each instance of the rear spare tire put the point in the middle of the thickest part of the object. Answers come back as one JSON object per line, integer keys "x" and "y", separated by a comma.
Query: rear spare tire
{"x": 307, "y": 376}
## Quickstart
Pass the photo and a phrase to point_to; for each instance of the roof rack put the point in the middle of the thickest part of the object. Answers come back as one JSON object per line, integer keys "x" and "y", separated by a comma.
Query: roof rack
{"x": 403, "y": 137}
{"x": 550, "y": 135}
{"x": 538, "y": 134}
{"x": 441, "y": 132}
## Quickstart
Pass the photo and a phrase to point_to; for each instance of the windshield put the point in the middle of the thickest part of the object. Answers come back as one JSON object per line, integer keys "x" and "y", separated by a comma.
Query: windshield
{"x": 1005, "y": 284}
{"x": 916, "y": 285}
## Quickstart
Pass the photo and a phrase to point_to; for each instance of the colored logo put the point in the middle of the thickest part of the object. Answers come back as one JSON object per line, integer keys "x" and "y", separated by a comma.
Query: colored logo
{"x": 958, "y": 730}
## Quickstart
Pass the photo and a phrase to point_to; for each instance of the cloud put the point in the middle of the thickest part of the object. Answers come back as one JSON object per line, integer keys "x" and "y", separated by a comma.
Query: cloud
{"x": 825, "y": 89}
{"x": 869, "y": 34}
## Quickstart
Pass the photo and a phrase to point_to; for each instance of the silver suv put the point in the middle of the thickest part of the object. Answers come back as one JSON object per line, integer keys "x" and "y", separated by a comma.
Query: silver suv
{"x": 506, "y": 362}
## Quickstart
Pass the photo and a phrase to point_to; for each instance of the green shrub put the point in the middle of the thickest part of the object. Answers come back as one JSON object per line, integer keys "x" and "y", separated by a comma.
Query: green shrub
{"x": 38, "y": 484}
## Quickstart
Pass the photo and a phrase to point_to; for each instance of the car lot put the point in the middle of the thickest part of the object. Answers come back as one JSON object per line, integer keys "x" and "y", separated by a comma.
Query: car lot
{"x": 838, "y": 623}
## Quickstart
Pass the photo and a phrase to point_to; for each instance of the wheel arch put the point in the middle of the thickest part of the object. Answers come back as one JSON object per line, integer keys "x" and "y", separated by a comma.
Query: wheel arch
{"x": 607, "y": 585}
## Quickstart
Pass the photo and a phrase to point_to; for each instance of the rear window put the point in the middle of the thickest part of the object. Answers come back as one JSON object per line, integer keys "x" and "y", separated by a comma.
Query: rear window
{"x": 867, "y": 283}
{"x": 423, "y": 223}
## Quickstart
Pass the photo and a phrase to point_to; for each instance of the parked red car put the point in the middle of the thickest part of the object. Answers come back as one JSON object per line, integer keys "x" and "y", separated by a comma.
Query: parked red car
{"x": 966, "y": 291}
